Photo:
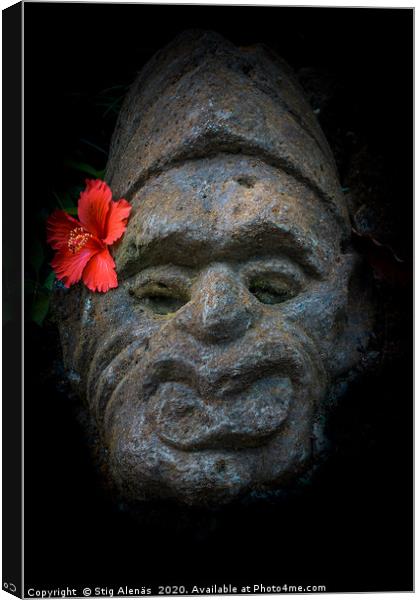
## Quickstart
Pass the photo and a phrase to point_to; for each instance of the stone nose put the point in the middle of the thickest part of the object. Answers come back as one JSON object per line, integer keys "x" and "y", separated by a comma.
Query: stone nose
{"x": 220, "y": 309}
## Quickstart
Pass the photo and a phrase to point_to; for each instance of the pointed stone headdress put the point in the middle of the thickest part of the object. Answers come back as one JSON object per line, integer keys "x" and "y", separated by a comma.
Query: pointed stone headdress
{"x": 201, "y": 96}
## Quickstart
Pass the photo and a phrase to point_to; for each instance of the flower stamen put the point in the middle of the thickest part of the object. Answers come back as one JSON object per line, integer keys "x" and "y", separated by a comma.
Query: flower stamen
{"x": 78, "y": 238}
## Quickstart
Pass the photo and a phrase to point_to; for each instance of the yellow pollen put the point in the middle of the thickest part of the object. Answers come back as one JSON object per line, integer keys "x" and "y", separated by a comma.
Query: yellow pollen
{"x": 77, "y": 239}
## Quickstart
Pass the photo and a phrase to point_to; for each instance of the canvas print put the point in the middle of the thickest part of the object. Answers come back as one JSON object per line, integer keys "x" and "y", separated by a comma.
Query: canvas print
{"x": 218, "y": 300}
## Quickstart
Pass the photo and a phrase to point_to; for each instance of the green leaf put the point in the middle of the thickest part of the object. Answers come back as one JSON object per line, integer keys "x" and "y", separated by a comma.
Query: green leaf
{"x": 49, "y": 281}
{"x": 59, "y": 199}
{"x": 37, "y": 256}
{"x": 95, "y": 146}
{"x": 85, "y": 168}
{"x": 40, "y": 307}
{"x": 114, "y": 106}
{"x": 68, "y": 201}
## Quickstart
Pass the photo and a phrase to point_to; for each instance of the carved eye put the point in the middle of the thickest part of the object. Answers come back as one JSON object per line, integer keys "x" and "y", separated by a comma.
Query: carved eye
{"x": 272, "y": 291}
{"x": 159, "y": 298}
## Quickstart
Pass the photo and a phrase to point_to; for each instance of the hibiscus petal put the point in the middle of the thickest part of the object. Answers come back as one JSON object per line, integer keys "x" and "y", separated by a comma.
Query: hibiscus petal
{"x": 93, "y": 207}
{"x": 59, "y": 226}
{"x": 68, "y": 266}
{"x": 99, "y": 274}
{"x": 119, "y": 212}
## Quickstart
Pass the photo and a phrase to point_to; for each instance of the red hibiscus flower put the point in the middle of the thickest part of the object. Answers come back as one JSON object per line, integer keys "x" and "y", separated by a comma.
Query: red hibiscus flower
{"x": 82, "y": 246}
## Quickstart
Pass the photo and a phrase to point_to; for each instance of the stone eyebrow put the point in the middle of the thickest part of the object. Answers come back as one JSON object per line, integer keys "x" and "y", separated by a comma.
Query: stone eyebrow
{"x": 192, "y": 248}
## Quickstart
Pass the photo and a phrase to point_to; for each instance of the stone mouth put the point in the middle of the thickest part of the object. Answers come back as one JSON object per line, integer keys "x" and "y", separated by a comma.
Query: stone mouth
{"x": 188, "y": 421}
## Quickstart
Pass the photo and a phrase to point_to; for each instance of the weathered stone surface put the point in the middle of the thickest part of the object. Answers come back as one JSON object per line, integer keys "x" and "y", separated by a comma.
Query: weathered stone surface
{"x": 207, "y": 369}
{"x": 201, "y": 95}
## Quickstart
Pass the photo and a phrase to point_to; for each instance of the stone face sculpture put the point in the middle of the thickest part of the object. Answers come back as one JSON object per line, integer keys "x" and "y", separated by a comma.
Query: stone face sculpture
{"x": 239, "y": 304}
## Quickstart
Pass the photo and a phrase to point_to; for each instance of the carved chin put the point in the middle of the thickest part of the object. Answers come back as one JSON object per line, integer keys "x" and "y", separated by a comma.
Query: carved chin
{"x": 203, "y": 450}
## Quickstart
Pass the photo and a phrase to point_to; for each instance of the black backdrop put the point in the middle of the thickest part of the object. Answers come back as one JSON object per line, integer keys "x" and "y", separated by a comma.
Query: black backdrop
{"x": 351, "y": 530}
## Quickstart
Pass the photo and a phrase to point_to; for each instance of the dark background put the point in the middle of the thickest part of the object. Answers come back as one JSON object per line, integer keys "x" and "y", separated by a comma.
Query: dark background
{"x": 351, "y": 529}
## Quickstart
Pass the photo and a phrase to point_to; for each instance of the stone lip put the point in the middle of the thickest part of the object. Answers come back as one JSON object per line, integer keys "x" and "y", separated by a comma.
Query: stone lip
{"x": 189, "y": 422}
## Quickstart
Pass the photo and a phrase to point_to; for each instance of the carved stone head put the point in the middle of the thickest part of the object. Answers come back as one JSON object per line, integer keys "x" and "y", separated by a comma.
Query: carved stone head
{"x": 208, "y": 368}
